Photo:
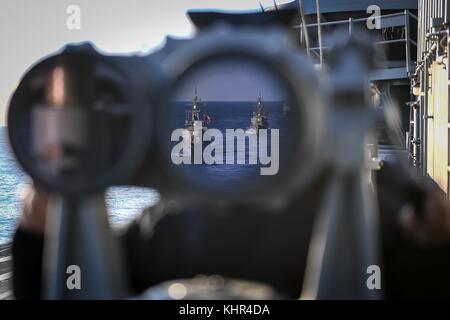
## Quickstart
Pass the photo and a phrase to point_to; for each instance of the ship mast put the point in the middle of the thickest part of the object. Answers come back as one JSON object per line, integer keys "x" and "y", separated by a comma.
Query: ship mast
{"x": 259, "y": 103}
{"x": 196, "y": 101}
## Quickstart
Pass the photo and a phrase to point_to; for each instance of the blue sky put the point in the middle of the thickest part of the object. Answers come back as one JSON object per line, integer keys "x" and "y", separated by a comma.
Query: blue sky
{"x": 230, "y": 81}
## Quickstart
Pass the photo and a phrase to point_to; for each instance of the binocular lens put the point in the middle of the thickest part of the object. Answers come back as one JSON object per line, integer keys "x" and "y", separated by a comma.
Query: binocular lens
{"x": 70, "y": 120}
{"x": 232, "y": 125}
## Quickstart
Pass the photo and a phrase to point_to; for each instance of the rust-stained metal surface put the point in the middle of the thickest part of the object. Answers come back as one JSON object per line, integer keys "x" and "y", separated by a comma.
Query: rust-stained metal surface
{"x": 430, "y": 141}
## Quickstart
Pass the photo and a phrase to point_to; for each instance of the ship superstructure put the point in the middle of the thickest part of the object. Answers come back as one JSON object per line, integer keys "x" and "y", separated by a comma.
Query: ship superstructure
{"x": 197, "y": 121}
{"x": 259, "y": 117}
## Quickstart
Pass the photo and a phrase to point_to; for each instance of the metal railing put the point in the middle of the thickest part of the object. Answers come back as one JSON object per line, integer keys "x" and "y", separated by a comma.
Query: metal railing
{"x": 433, "y": 17}
{"x": 429, "y": 10}
{"x": 400, "y": 19}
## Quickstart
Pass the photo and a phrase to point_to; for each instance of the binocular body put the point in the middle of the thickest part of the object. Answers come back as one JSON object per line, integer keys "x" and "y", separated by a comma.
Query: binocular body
{"x": 81, "y": 121}
{"x": 235, "y": 116}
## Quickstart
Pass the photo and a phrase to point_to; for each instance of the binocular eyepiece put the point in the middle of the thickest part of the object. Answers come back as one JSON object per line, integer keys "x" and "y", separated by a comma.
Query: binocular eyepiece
{"x": 76, "y": 119}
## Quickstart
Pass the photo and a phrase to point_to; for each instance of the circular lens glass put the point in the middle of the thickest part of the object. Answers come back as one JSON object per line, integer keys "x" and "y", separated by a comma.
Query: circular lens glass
{"x": 232, "y": 126}
{"x": 69, "y": 121}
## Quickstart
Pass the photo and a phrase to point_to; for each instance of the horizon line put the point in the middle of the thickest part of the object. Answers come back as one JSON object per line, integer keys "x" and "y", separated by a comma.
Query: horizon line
{"x": 230, "y": 101}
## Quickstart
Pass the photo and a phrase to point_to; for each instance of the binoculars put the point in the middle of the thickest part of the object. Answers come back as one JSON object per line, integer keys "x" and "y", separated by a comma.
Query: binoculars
{"x": 235, "y": 115}
{"x": 251, "y": 106}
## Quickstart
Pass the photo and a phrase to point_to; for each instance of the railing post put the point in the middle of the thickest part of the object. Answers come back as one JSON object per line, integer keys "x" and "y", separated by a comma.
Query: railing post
{"x": 319, "y": 33}
{"x": 408, "y": 41}
{"x": 304, "y": 28}
{"x": 350, "y": 26}
{"x": 424, "y": 121}
{"x": 302, "y": 41}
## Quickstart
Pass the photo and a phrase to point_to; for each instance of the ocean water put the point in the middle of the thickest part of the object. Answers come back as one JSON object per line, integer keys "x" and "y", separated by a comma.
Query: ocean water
{"x": 11, "y": 179}
{"x": 124, "y": 203}
{"x": 235, "y": 178}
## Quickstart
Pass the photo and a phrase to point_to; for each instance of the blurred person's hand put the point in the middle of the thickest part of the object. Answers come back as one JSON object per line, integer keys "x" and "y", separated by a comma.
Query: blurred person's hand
{"x": 433, "y": 224}
{"x": 34, "y": 204}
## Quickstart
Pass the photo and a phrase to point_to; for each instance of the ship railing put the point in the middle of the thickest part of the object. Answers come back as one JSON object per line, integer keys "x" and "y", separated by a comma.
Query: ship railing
{"x": 400, "y": 19}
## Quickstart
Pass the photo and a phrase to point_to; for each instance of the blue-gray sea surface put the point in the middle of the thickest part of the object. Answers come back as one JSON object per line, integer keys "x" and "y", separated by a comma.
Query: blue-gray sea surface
{"x": 124, "y": 203}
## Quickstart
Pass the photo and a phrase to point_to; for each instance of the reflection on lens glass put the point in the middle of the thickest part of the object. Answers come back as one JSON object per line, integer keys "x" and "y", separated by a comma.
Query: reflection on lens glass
{"x": 72, "y": 121}
{"x": 232, "y": 126}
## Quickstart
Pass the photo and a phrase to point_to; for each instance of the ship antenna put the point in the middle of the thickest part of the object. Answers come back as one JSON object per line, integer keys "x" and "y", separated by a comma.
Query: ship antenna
{"x": 194, "y": 99}
{"x": 275, "y": 5}
{"x": 261, "y": 6}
